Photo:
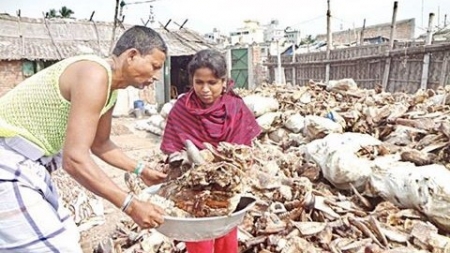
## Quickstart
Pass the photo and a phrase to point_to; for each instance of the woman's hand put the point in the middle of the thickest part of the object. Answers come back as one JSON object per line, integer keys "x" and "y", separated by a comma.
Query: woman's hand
{"x": 152, "y": 177}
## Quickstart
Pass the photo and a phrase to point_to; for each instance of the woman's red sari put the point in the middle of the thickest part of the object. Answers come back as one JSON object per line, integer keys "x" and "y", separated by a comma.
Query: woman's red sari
{"x": 228, "y": 119}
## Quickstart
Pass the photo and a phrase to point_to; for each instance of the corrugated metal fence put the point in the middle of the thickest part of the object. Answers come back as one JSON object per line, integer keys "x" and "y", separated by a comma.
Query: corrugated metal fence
{"x": 366, "y": 64}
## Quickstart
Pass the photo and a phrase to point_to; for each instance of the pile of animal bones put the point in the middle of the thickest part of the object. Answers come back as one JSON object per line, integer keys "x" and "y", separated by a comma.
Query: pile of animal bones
{"x": 336, "y": 169}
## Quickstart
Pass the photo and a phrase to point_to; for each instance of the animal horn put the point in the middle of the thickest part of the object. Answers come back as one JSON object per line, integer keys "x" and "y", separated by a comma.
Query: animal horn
{"x": 193, "y": 153}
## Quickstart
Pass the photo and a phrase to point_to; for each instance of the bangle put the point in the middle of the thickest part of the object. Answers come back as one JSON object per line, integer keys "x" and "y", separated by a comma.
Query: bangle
{"x": 126, "y": 202}
{"x": 139, "y": 168}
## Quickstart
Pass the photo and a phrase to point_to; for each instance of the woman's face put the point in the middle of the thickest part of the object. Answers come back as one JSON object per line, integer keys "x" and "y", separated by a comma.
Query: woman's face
{"x": 207, "y": 86}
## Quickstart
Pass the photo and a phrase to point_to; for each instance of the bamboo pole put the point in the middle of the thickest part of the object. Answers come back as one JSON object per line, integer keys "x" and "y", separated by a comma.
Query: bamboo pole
{"x": 361, "y": 37}
{"x": 444, "y": 73}
{"x": 426, "y": 57}
{"x": 387, "y": 66}
{"x": 58, "y": 50}
{"x": 329, "y": 42}
{"x": 293, "y": 68}
{"x": 280, "y": 79}
{"x": 113, "y": 36}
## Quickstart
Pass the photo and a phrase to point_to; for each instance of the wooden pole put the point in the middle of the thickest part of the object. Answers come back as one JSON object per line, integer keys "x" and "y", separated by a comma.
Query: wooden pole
{"x": 293, "y": 65}
{"x": 113, "y": 36}
{"x": 92, "y": 16}
{"x": 329, "y": 42}
{"x": 52, "y": 38}
{"x": 426, "y": 57}
{"x": 361, "y": 37}
{"x": 387, "y": 66}
{"x": 443, "y": 77}
{"x": 280, "y": 79}
{"x": 167, "y": 81}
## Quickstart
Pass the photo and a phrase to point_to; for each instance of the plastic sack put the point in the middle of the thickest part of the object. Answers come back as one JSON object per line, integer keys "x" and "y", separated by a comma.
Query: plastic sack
{"x": 342, "y": 85}
{"x": 318, "y": 127}
{"x": 423, "y": 188}
{"x": 295, "y": 123}
{"x": 266, "y": 121}
{"x": 336, "y": 156}
{"x": 165, "y": 110}
{"x": 260, "y": 105}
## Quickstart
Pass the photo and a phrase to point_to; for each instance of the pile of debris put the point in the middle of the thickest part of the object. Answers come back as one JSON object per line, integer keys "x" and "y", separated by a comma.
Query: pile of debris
{"x": 336, "y": 169}
{"x": 294, "y": 115}
{"x": 87, "y": 209}
{"x": 299, "y": 211}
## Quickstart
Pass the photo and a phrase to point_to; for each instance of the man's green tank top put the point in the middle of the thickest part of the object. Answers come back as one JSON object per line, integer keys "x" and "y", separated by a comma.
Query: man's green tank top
{"x": 36, "y": 110}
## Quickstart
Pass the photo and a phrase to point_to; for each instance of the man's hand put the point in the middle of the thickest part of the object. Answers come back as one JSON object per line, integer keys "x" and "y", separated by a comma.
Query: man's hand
{"x": 145, "y": 214}
{"x": 152, "y": 177}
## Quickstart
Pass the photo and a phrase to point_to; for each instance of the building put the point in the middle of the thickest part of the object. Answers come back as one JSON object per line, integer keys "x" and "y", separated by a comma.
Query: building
{"x": 216, "y": 37}
{"x": 250, "y": 33}
{"x": 27, "y": 45}
{"x": 404, "y": 30}
{"x": 272, "y": 31}
{"x": 292, "y": 36}
{"x": 439, "y": 34}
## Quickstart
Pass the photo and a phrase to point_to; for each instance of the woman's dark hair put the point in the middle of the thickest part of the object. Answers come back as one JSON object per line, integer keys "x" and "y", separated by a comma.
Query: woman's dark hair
{"x": 143, "y": 39}
{"x": 208, "y": 58}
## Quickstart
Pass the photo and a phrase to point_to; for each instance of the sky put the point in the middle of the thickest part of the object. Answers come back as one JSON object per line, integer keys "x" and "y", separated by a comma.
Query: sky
{"x": 308, "y": 16}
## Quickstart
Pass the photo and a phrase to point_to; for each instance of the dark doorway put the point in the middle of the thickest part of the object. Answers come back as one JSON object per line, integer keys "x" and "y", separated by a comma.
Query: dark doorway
{"x": 179, "y": 75}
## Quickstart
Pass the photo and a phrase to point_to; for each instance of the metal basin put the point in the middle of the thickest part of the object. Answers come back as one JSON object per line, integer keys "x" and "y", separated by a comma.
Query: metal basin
{"x": 201, "y": 229}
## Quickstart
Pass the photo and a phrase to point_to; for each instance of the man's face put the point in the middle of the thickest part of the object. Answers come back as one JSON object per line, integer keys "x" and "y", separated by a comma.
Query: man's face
{"x": 142, "y": 70}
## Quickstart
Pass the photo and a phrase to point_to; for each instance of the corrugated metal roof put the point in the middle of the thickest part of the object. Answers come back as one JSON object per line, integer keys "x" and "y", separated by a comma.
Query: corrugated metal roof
{"x": 56, "y": 39}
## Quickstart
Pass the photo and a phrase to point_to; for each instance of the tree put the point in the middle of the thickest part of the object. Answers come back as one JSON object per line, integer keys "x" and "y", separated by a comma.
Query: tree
{"x": 51, "y": 14}
{"x": 65, "y": 12}
{"x": 307, "y": 40}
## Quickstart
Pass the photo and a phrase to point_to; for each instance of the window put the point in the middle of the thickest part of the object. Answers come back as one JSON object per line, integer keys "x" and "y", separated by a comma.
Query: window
{"x": 29, "y": 68}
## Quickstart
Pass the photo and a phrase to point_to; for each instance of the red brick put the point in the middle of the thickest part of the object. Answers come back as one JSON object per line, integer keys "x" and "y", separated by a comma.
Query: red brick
{"x": 10, "y": 75}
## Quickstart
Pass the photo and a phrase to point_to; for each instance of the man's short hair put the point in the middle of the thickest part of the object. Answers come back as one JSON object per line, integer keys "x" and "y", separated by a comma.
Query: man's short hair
{"x": 143, "y": 39}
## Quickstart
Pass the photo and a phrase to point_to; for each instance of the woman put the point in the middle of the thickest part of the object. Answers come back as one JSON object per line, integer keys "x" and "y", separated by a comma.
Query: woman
{"x": 210, "y": 112}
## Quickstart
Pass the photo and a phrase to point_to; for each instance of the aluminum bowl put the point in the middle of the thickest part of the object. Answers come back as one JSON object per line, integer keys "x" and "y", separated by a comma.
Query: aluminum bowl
{"x": 207, "y": 228}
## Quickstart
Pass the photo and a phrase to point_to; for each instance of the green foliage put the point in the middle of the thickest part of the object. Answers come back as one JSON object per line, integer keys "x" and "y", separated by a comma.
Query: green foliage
{"x": 307, "y": 40}
{"x": 64, "y": 12}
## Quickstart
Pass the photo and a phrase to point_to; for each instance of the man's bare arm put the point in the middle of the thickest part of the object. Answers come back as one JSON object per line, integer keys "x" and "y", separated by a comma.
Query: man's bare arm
{"x": 88, "y": 94}
{"x": 104, "y": 148}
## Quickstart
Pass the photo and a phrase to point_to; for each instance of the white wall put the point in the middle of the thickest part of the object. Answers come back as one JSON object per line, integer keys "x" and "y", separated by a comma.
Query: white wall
{"x": 125, "y": 101}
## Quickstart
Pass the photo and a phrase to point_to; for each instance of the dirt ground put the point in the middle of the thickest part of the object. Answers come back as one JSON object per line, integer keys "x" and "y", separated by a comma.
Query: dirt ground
{"x": 134, "y": 143}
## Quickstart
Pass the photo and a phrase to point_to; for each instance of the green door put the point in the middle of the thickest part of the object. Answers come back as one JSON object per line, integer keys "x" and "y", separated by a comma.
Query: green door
{"x": 239, "y": 67}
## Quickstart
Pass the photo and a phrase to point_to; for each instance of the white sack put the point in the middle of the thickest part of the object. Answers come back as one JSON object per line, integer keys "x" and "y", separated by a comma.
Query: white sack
{"x": 318, "y": 127}
{"x": 260, "y": 105}
{"x": 342, "y": 85}
{"x": 295, "y": 123}
{"x": 336, "y": 156}
{"x": 165, "y": 110}
{"x": 156, "y": 120}
{"x": 424, "y": 188}
{"x": 266, "y": 120}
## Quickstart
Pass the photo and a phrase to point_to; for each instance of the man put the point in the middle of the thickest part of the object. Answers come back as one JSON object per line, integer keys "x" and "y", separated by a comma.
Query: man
{"x": 68, "y": 107}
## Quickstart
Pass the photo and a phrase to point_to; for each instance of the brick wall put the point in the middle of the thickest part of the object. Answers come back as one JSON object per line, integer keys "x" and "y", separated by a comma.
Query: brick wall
{"x": 10, "y": 75}
{"x": 260, "y": 73}
{"x": 404, "y": 30}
